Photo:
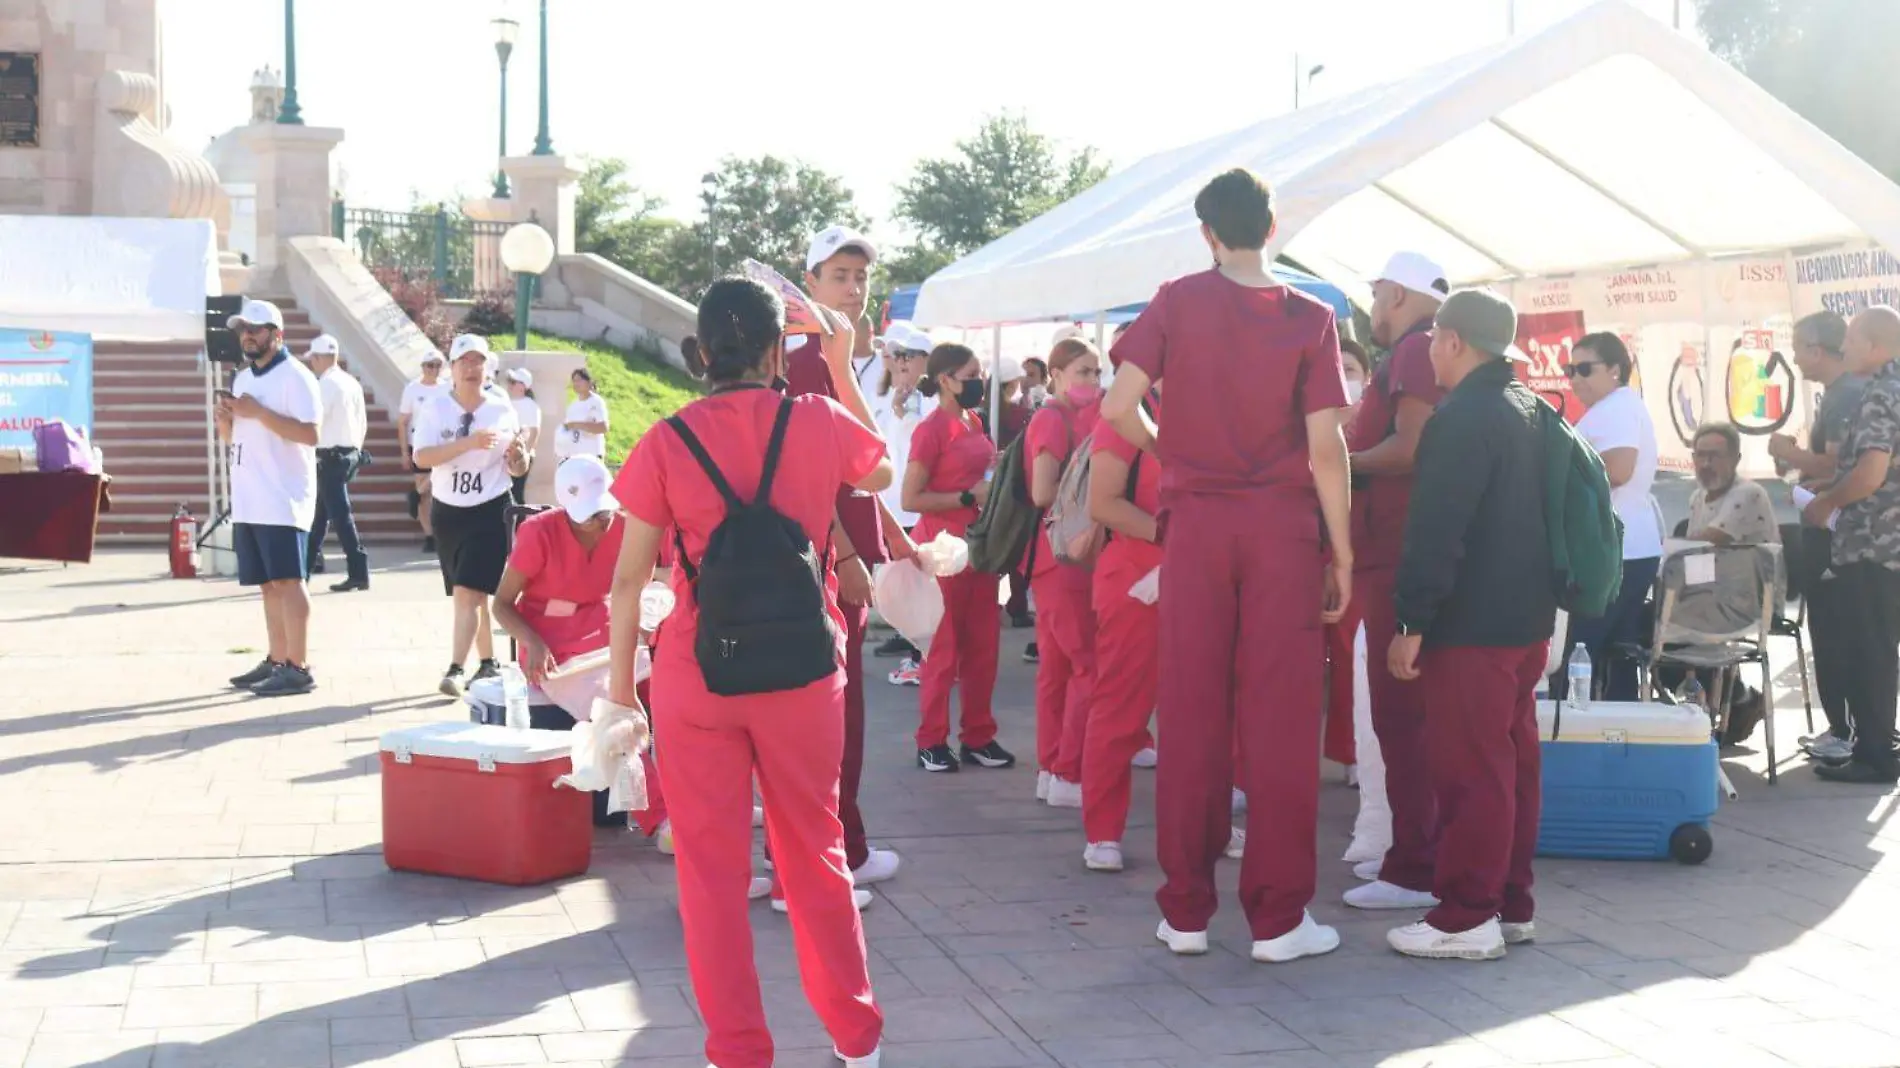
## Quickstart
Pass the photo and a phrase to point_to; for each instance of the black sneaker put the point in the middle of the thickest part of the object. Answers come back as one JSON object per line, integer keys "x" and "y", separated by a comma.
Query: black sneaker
{"x": 937, "y": 758}
{"x": 428, "y": 544}
{"x": 1855, "y": 771}
{"x": 452, "y": 681}
{"x": 256, "y": 675}
{"x": 1031, "y": 655}
{"x": 488, "y": 669}
{"x": 895, "y": 645}
{"x": 286, "y": 680}
{"x": 989, "y": 756}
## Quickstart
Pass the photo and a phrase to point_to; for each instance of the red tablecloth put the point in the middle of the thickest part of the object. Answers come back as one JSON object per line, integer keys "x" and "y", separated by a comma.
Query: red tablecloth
{"x": 51, "y": 516}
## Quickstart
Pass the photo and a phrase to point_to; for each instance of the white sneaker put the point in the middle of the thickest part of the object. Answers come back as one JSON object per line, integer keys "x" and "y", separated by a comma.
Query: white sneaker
{"x": 1184, "y": 943}
{"x": 1421, "y": 939}
{"x": 1309, "y": 939}
{"x": 861, "y": 898}
{"x": 1381, "y": 895}
{"x": 663, "y": 838}
{"x": 1237, "y": 844}
{"x": 1063, "y": 793}
{"x": 1042, "y": 785}
{"x": 869, "y": 1060}
{"x": 760, "y": 887}
{"x": 1103, "y": 856}
{"x": 879, "y": 865}
{"x": 1147, "y": 758}
{"x": 1518, "y": 933}
{"x": 758, "y": 815}
{"x": 1368, "y": 870}
{"x": 1240, "y": 801}
{"x": 1364, "y": 851}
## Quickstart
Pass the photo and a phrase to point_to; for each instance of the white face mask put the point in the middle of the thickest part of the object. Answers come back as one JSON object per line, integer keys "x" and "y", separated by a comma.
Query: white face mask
{"x": 1355, "y": 390}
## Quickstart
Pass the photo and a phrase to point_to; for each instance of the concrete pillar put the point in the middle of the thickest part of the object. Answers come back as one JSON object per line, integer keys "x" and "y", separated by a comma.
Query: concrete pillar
{"x": 544, "y": 187}
{"x": 293, "y": 185}
{"x": 551, "y": 371}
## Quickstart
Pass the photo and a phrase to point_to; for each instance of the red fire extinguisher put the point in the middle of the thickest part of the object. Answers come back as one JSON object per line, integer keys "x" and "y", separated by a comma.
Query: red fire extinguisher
{"x": 184, "y": 551}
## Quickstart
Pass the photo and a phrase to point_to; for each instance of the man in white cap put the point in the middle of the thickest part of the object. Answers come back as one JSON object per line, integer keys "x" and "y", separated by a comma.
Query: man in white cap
{"x": 1384, "y": 438}
{"x": 469, "y": 441}
{"x": 269, "y": 418}
{"x": 416, "y": 395}
{"x": 339, "y": 455}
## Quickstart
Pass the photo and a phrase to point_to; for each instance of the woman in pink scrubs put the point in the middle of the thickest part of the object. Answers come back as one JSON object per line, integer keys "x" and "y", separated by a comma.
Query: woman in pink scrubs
{"x": 945, "y": 481}
{"x": 1065, "y": 618}
{"x": 792, "y": 741}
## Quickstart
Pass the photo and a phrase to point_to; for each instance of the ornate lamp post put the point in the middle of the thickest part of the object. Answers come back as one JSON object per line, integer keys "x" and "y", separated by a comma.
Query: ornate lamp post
{"x": 290, "y": 114}
{"x": 542, "y": 145}
{"x": 505, "y": 29}
{"x": 528, "y": 251}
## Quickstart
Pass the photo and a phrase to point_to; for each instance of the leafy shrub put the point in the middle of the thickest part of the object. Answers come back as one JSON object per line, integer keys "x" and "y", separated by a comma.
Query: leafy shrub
{"x": 421, "y": 301}
{"x": 491, "y": 313}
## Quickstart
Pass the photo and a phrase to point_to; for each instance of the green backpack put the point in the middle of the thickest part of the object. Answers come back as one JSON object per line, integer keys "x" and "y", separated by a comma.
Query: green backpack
{"x": 1586, "y": 536}
{"x": 1009, "y": 521}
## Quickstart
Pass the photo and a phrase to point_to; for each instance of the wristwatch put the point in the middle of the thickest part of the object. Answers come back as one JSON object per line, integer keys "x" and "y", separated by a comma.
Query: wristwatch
{"x": 966, "y": 499}
{"x": 1406, "y": 630}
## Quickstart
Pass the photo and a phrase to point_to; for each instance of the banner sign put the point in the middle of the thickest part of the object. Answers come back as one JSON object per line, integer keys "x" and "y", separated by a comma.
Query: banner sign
{"x": 43, "y": 376}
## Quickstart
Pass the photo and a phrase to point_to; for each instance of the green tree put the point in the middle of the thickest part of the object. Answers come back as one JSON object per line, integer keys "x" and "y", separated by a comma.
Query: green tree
{"x": 997, "y": 180}
{"x": 766, "y": 209}
{"x": 1826, "y": 59}
{"x": 614, "y": 220}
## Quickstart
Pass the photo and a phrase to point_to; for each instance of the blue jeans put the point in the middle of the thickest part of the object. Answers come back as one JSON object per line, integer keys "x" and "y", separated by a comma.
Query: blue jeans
{"x": 1615, "y": 677}
{"x": 334, "y": 472}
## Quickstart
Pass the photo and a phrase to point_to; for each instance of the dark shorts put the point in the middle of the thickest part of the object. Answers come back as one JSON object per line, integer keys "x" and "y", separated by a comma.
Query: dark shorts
{"x": 471, "y": 543}
{"x": 268, "y": 553}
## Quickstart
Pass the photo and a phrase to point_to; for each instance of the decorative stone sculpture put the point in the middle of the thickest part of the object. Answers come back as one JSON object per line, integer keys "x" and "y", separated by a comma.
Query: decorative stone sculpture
{"x": 137, "y": 171}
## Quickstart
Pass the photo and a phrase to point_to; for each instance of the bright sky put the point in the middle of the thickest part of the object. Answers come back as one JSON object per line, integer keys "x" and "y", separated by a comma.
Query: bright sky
{"x": 673, "y": 87}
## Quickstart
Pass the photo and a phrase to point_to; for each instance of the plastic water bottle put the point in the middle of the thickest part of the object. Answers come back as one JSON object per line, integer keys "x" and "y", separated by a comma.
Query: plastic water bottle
{"x": 1579, "y": 674}
{"x": 1691, "y": 695}
{"x": 514, "y": 688}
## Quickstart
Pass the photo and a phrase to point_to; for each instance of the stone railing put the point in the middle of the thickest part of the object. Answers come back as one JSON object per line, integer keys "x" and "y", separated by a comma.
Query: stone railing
{"x": 382, "y": 345}
{"x": 591, "y": 298}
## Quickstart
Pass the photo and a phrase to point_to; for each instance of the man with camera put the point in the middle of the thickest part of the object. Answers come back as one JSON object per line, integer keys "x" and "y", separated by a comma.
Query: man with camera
{"x": 269, "y": 419}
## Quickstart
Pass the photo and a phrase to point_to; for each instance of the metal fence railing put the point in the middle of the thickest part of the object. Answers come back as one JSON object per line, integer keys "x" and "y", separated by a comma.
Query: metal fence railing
{"x": 462, "y": 256}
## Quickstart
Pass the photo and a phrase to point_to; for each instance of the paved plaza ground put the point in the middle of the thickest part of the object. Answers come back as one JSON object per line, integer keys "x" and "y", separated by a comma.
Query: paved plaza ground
{"x": 189, "y": 877}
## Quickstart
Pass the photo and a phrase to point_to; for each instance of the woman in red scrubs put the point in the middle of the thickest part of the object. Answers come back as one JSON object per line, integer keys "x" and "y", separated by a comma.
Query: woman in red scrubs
{"x": 792, "y": 740}
{"x": 946, "y": 480}
{"x": 1065, "y": 617}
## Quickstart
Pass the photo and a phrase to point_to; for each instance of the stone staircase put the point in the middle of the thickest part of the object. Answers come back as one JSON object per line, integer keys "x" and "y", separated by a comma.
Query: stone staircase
{"x": 150, "y": 421}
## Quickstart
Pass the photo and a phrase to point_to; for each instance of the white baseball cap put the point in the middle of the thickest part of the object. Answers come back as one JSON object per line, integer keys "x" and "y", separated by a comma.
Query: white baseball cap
{"x": 835, "y": 240}
{"x": 1009, "y": 368}
{"x": 1417, "y": 272}
{"x": 467, "y": 343}
{"x": 903, "y": 335}
{"x": 257, "y": 313}
{"x": 322, "y": 345}
{"x": 584, "y": 488}
{"x": 521, "y": 375}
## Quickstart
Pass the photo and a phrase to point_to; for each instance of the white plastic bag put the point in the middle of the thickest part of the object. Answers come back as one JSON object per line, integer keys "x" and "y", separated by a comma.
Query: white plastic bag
{"x": 944, "y": 555}
{"x": 1372, "y": 831}
{"x": 576, "y": 682}
{"x": 656, "y": 603}
{"x": 909, "y": 599}
{"x": 606, "y": 756}
{"x": 1147, "y": 589}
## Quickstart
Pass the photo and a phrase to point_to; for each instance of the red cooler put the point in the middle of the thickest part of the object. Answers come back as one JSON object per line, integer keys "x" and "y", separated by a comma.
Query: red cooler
{"x": 479, "y": 802}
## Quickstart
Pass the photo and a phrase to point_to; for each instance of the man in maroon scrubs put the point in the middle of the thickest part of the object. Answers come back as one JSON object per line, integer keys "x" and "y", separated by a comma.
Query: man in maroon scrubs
{"x": 1384, "y": 438}
{"x": 1252, "y": 457}
{"x": 837, "y": 275}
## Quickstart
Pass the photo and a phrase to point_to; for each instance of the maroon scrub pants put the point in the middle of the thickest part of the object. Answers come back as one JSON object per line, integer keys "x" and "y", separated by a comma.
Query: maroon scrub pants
{"x": 1486, "y": 773}
{"x": 1243, "y": 665}
{"x": 1398, "y": 718}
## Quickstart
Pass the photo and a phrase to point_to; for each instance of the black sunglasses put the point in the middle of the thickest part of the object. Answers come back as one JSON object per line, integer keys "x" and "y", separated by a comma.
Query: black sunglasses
{"x": 468, "y": 424}
{"x": 1581, "y": 370}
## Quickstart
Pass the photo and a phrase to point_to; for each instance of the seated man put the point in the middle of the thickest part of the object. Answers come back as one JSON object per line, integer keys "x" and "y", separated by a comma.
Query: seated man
{"x": 1726, "y": 510}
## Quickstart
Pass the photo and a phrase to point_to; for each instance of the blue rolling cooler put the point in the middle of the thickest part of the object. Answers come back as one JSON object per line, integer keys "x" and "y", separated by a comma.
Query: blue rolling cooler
{"x": 1627, "y": 781}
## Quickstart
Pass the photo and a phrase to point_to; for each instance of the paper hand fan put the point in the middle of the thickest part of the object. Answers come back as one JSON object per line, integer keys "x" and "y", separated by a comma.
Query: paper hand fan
{"x": 800, "y": 316}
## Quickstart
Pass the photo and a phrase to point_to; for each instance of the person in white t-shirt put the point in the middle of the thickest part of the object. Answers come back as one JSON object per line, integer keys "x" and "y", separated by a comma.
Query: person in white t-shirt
{"x": 1618, "y": 426}
{"x": 469, "y": 440}
{"x": 584, "y": 431}
{"x": 899, "y": 408}
{"x": 269, "y": 418}
{"x": 414, "y": 395}
{"x": 340, "y": 454}
{"x": 519, "y": 382}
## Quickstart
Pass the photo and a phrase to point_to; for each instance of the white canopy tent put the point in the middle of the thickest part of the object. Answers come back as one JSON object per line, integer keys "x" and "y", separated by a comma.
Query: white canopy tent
{"x": 1606, "y": 141}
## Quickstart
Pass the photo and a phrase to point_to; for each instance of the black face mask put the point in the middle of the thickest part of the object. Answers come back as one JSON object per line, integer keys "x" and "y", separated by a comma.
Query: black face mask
{"x": 970, "y": 393}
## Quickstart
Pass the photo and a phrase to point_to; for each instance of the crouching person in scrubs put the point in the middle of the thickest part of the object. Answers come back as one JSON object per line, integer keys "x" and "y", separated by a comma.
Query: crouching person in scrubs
{"x": 1254, "y": 458}
{"x": 791, "y": 739}
{"x": 1475, "y": 613}
{"x": 553, "y": 601}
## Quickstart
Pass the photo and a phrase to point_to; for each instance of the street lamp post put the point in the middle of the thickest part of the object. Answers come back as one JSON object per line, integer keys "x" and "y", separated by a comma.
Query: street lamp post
{"x": 289, "y": 114}
{"x": 542, "y": 145}
{"x": 528, "y": 251}
{"x": 1303, "y": 78}
{"x": 505, "y": 29}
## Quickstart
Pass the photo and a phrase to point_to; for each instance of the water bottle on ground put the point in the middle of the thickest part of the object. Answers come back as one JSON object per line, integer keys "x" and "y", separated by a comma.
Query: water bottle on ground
{"x": 1691, "y": 695}
{"x": 514, "y": 688}
{"x": 1578, "y": 697}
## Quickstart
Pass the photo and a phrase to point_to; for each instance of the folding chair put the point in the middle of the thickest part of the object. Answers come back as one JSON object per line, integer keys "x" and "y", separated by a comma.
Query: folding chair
{"x": 1791, "y": 620}
{"x": 1715, "y": 609}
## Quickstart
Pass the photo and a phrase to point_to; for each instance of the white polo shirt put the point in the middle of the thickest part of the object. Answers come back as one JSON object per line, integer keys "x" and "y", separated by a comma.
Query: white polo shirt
{"x": 345, "y": 418}
{"x": 414, "y": 395}
{"x": 273, "y": 479}
{"x": 579, "y": 443}
{"x": 474, "y": 477}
